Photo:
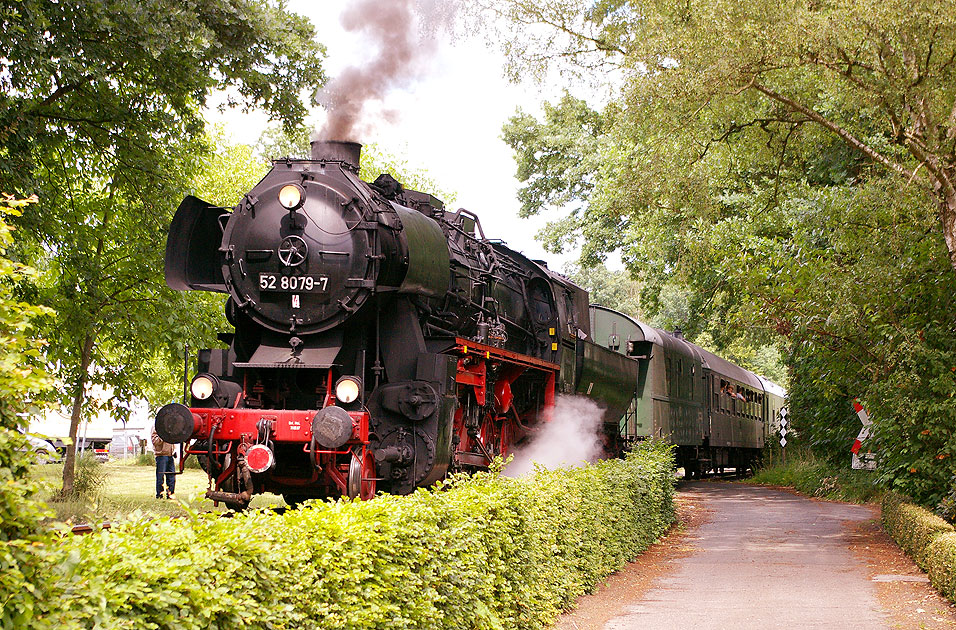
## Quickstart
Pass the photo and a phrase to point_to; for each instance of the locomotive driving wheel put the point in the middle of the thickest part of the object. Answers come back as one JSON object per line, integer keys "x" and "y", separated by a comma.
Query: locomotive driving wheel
{"x": 361, "y": 477}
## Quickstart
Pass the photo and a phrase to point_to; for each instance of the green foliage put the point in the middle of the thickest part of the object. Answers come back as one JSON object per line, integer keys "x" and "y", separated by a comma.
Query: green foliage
{"x": 146, "y": 459}
{"x": 134, "y": 75}
{"x": 613, "y": 289}
{"x": 479, "y": 552}
{"x": 776, "y": 177}
{"x": 557, "y": 166}
{"x": 940, "y": 562}
{"x": 912, "y": 527}
{"x": 227, "y": 172}
{"x": 21, "y": 379}
{"x": 818, "y": 478}
{"x": 866, "y": 307}
{"x": 90, "y": 476}
{"x": 926, "y": 538}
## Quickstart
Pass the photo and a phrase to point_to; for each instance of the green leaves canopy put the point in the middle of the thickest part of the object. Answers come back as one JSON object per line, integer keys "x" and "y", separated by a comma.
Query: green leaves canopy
{"x": 790, "y": 166}
{"x": 125, "y": 77}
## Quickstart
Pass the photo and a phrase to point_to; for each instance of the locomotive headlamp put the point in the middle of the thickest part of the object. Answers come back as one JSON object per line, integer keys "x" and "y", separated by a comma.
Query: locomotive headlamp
{"x": 204, "y": 386}
{"x": 291, "y": 196}
{"x": 347, "y": 389}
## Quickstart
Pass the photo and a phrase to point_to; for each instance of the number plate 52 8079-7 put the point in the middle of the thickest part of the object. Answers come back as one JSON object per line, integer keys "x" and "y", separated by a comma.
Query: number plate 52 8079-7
{"x": 293, "y": 284}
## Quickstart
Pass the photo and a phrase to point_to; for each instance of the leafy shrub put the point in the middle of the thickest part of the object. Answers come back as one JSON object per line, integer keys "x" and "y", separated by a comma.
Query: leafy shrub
{"x": 480, "y": 552}
{"x": 819, "y": 478}
{"x": 21, "y": 379}
{"x": 926, "y": 538}
{"x": 146, "y": 459}
{"x": 89, "y": 477}
{"x": 149, "y": 459}
{"x": 912, "y": 527}
{"x": 940, "y": 562}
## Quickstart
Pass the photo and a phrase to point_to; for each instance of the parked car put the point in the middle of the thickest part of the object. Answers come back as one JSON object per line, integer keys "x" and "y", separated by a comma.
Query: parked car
{"x": 43, "y": 451}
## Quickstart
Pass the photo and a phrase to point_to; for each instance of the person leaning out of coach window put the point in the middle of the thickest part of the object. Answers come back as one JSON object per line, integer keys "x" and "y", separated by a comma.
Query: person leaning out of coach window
{"x": 165, "y": 467}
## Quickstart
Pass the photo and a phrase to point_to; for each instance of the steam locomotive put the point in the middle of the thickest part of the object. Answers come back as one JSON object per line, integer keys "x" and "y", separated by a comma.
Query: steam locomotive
{"x": 381, "y": 342}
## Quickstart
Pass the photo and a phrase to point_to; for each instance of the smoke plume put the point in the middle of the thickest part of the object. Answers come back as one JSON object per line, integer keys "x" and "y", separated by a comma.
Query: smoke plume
{"x": 572, "y": 438}
{"x": 403, "y": 36}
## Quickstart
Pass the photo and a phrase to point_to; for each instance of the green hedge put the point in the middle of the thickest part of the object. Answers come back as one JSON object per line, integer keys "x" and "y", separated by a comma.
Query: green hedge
{"x": 940, "y": 561}
{"x": 926, "y": 538}
{"x": 483, "y": 552}
{"x": 912, "y": 527}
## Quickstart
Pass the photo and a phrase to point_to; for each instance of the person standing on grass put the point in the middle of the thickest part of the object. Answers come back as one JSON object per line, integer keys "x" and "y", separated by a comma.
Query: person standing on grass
{"x": 165, "y": 467}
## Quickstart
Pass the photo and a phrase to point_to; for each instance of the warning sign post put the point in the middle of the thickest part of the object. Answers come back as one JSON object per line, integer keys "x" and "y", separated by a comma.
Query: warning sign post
{"x": 866, "y": 461}
{"x": 783, "y": 434}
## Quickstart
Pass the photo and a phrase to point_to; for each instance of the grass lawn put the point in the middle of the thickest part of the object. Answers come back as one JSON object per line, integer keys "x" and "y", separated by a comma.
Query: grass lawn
{"x": 129, "y": 488}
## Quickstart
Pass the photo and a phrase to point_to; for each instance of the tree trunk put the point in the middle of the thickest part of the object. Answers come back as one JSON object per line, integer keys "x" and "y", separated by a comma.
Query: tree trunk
{"x": 69, "y": 466}
{"x": 947, "y": 216}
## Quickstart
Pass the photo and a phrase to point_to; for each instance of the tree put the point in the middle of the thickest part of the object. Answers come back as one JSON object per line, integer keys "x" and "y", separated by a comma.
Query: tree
{"x": 613, "y": 289}
{"x": 876, "y": 76}
{"x": 101, "y": 113}
{"x": 130, "y": 75}
{"x": 788, "y": 167}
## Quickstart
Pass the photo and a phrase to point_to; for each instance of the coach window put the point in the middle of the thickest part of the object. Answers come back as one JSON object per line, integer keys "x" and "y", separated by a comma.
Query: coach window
{"x": 669, "y": 377}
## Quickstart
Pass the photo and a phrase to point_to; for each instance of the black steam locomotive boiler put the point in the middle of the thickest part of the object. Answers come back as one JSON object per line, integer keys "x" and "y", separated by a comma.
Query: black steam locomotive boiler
{"x": 380, "y": 341}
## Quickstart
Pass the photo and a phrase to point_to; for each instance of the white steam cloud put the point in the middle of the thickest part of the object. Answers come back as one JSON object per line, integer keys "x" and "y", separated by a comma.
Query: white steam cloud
{"x": 572, "y": 438}
{"x": 403, "y": 37}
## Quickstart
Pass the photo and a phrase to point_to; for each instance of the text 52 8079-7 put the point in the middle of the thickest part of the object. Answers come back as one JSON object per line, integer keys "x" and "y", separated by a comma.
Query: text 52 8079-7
{"x": 299, "y": 284}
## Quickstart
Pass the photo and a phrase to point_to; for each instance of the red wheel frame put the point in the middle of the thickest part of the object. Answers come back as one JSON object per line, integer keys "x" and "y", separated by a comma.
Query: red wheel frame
{"x": 369, "y": 480}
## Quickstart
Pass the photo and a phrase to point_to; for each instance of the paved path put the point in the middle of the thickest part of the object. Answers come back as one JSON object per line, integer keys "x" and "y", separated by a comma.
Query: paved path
{"x": 765, "y": 559}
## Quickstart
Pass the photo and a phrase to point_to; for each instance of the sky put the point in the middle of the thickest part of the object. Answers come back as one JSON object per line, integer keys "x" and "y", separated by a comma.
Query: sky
{"x": 449, "y": 124}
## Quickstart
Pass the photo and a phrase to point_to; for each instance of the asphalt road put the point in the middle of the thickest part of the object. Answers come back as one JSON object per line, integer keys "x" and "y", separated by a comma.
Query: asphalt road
{"x": 764, "y": 559}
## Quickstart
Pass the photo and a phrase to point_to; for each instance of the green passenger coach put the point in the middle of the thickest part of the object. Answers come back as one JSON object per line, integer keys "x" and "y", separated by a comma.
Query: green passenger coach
{"x": 716, "y": 413}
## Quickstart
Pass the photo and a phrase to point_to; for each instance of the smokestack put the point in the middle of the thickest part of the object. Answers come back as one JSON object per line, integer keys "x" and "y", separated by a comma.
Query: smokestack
{"x": 347, "y": 153}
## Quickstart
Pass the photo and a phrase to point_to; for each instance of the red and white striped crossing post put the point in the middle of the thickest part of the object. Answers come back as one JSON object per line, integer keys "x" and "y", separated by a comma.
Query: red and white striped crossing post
{"x": 856, "y": 462}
